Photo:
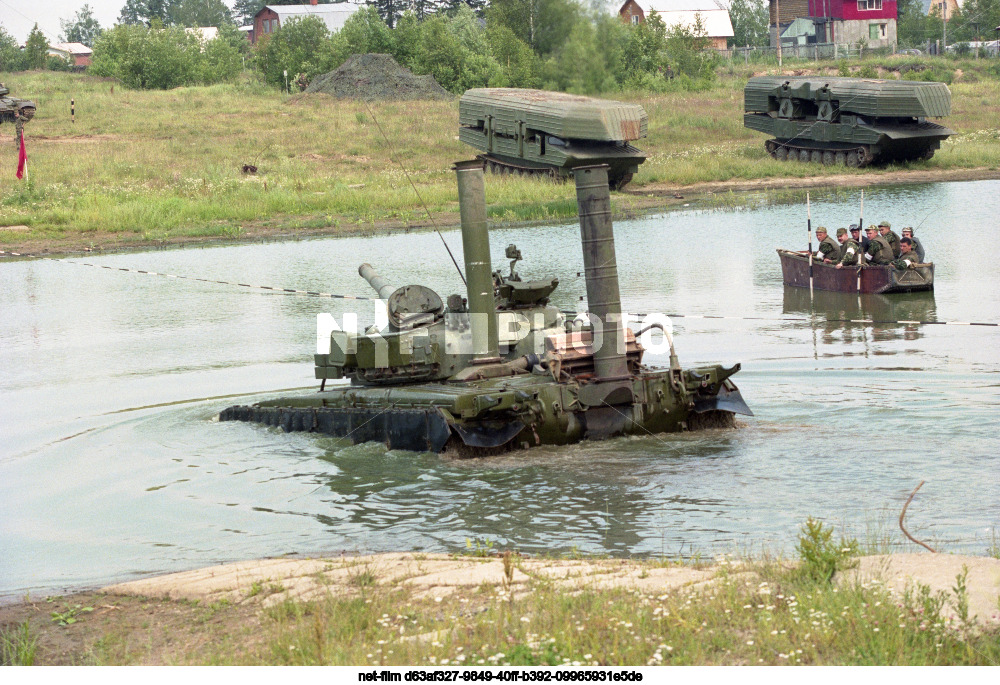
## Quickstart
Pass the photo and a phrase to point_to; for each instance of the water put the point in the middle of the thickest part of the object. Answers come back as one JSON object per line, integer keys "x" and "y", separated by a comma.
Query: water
{"x": 111, "y": 466}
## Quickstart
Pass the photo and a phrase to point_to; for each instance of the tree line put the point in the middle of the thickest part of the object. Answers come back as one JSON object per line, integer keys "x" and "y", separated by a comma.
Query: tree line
{"x": 553, "y": 44}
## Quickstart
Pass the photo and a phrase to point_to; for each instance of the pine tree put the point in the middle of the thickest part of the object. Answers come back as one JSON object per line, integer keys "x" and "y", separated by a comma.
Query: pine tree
{"x": 390, "y": 10}
{"x": 36, "y": 49}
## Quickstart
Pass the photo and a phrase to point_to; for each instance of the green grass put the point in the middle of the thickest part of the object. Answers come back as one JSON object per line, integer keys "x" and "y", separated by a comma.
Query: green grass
{"x": 18, "y": 645}
{"x": 774, "y": 617}
{"x": 165, "y": 165}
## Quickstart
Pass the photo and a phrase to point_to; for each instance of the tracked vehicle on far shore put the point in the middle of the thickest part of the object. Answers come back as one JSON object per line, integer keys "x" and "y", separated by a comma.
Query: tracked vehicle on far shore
{"x": 15, "y": 110}
{"x": 541, "y": 132}
{"x": 847, "y": 121}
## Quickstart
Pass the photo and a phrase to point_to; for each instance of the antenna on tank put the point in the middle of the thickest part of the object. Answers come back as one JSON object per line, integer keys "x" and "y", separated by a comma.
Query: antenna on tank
{"x": 419, "y": 197}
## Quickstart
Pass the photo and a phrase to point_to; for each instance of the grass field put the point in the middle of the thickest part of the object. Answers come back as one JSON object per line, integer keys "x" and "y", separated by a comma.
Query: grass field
{"x": 163, "y": 166}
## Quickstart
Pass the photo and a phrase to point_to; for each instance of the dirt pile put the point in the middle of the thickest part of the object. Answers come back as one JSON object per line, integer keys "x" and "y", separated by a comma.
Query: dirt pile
{"x": 377, "y": 77}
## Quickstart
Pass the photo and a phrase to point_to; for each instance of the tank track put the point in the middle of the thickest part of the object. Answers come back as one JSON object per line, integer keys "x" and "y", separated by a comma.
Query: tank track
{"x": 854, "y": 157}
{"x": 501, "y": 167}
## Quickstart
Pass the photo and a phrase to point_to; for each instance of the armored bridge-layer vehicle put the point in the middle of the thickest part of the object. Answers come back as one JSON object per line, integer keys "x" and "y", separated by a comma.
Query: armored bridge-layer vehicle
{"x": 14, "y": 110}
{"x": 542, "y": 132}
{"x": 501, "y": 368}
{"x": 847, "y": 121}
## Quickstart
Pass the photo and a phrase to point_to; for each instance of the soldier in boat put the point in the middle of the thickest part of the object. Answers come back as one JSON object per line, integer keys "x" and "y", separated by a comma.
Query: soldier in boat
{"x": 879, "y": 251}
{"x": 890, "y": 236}
{"x": 861, "y": 240}
{"x": 917, "y": 247}
{"x": 829, "y": 249}
{"x": 849, "y": 249}
{"x": 907, "y": 256}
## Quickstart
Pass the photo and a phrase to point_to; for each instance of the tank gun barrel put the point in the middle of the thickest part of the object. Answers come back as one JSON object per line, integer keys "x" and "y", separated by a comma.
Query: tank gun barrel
{"x": 379, "y": 284}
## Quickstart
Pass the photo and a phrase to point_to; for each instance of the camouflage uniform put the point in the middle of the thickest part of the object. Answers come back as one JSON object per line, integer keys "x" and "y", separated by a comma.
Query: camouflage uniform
{"x": 879, "y": 251}
{"x": 918, "y": 249}
{"x": 828, "y": 249}
{"x": 851, "y": 251}
{"x": 906, "y": 261}
{"x": 891, "y": 238}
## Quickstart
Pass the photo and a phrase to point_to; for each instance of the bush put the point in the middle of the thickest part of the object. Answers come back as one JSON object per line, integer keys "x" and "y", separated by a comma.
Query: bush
{"x": 820, "y": 557}
{"x": 301, "y": 46}
{"x": 868, "y": 71}
{"x": 164, "y": 58}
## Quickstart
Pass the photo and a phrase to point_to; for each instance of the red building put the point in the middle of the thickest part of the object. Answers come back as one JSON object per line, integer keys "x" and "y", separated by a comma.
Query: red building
{"x": 871, "y": 22}
{"x": 270, "y": 18}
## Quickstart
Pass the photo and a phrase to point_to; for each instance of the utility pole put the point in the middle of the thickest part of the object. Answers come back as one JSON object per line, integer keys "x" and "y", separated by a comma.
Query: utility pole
{"x": 944, "y": 23}
{"x": 777, "y": 27}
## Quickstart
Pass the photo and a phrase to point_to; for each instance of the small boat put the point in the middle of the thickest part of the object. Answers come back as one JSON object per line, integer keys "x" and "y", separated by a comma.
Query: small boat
{"x": 875, "y": 278}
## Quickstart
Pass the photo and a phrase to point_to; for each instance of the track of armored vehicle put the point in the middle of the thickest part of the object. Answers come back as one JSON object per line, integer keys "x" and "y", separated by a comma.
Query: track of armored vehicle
{"x": 537, "y": 132}
{"x": 845, "y": 121}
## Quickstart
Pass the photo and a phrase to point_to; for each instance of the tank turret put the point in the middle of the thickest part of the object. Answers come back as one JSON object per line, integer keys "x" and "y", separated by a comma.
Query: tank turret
{"x": 541, "y": 132}
{"x": 847, "y": 121}
{"x": 500, "y": 368}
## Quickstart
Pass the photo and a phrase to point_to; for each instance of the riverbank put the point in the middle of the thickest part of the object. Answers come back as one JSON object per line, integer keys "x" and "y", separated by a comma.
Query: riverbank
{"x": 632, "y": 202}
{"x": 436, "y": 609}
{"x": 241, "y": 162}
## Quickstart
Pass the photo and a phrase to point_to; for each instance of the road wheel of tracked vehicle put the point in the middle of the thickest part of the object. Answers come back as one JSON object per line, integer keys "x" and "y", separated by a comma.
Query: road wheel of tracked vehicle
{"x": 927, "y": 154}
{"x": 840, "y": 159}
{"x": 803, "y": 155}
{"x": 771, "y": 147}
{"x": 852, "y": 159}
{"x": 781, "y": 153}
{"x": 617, "y": 181}
{"x": 828, "y": 158}
{"x": 816, "y": 156}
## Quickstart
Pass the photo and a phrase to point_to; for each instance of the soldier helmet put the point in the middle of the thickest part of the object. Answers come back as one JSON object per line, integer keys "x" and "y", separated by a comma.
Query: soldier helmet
{"x": 884, "y": 223}
{"x": 908, "y": 229}
{"x": 841, "y": 231}
{"x": 855, "y": 227}
{"x": 872, "y": 227}
{"x": 820, "y": 229}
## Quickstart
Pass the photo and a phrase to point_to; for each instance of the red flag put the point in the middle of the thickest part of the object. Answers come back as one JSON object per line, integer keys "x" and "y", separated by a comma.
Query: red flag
{"x": 22, "y": 159}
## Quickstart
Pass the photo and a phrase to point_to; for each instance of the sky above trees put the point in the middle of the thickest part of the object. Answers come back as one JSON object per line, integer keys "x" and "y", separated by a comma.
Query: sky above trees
{"x": 18, "y": 16}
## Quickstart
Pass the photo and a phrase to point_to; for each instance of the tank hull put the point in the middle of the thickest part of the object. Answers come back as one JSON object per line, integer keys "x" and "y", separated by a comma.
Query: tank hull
{"x": 501, "y": 369}
{"x": 847, "y": 121}
{"x": 541, "y": 132}
{"x": 12, "y": 108}
{"x": 505, "y": 413}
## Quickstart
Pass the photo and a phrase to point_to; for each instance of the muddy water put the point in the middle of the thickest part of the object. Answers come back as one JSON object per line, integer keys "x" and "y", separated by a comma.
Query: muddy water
{"x": 112, "y": 467}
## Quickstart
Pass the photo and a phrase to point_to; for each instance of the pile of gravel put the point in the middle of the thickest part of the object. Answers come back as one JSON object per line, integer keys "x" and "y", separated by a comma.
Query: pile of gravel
{"x": 377, "y": 77}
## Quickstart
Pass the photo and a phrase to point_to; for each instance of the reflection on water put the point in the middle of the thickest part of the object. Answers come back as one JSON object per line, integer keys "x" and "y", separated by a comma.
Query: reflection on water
{"x": 836, "y": 313}
{"x": 112, "y": 466}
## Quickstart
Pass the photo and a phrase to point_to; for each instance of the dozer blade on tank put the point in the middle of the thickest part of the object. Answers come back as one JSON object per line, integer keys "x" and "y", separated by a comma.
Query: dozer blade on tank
{"x": 501, "y": 369}
{"x": 15, "y": 110}
{"x": 847, "y": 121}
{"x": 541, "y": 132}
